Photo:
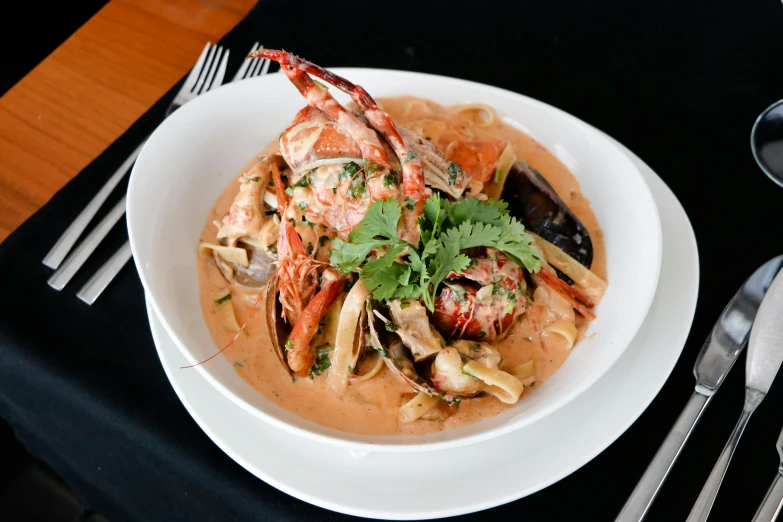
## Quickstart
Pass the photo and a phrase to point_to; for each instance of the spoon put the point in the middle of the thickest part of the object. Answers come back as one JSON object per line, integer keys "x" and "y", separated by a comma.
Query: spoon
{"x": 772, "y": 505}
{"x": 765, "y": 355}
{"x": 766, "y": 142}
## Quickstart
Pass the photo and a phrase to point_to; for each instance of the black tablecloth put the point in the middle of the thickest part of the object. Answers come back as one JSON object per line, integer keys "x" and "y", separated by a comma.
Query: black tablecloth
{"x": 680, "y": 83}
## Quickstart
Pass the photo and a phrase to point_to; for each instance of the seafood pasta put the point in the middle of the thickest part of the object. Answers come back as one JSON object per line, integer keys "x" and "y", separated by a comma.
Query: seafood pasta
{"x": 414, "y": 267}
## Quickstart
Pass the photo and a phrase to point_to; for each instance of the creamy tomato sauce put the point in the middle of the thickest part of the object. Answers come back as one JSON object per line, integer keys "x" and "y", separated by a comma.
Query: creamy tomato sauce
{"x": 370, "y": 407}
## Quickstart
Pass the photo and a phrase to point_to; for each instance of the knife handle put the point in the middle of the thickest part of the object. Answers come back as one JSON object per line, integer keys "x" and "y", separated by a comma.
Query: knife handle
{"x": 772, "y": 505}
{"x": 643, "y": 495}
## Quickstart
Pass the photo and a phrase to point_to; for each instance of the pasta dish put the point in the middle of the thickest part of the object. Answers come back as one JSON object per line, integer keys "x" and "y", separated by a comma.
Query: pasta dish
{"x": 416, "y": 267}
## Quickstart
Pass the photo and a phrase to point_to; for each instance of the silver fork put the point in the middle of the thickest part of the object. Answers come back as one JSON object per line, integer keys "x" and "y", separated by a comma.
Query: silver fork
{"x": 106, "y": 273}
{"x": 207, "y": 73}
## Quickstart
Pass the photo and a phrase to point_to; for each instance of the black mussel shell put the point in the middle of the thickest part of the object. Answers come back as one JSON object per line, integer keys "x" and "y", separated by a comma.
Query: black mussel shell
{"x": 279, "y": 329}
{"x": 532, "y": 200}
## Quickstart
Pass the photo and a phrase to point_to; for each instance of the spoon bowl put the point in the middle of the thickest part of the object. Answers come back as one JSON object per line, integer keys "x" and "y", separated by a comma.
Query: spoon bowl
{"x": 766, "y": 142}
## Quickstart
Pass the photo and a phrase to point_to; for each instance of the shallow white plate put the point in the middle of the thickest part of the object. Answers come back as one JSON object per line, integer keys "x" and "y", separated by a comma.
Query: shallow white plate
{"x": 373, "y": 485}
{"x": 193, "y": 155}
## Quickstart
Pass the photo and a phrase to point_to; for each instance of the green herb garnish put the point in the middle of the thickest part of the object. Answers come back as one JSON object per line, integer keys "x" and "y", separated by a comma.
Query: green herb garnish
{"x": 322, "y": 361}
{"x": 447, "y": 228}
{"x": 357, "y": 188}
{"x": 320, "y": 366}
{"x": 453, "y": 171}
{"x": 349, "y": 170}
{"x": 223, "y": 299}
{"x": 370, "y": 168}
{"x": 304, "y": 181}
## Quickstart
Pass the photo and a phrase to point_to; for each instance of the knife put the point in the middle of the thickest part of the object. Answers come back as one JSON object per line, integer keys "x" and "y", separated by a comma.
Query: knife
{"x": 717, "y": 356}
{"x": 772, "y": 505}
{"x": 765, "y": 356}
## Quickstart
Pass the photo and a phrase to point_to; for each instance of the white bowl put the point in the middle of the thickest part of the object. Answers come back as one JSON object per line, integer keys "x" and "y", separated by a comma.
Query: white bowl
{"x": 189, "y": 160}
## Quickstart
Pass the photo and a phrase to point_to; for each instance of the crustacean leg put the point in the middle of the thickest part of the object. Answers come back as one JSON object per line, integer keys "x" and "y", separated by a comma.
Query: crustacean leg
{"x": 295, "y": 68}
{"x": 319, "y": 97}
{"x": 295, "y": 283}
{"x": 580, "y": 301}
{"x": 297, "y": 274}
{"x": 300, "y": 354}
{"x": 367, "y": 140}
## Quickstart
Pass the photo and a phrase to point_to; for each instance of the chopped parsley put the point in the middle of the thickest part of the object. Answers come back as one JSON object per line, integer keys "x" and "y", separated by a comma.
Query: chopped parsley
{"x": 447, "y": 229}
{"x": 409, "y": 203}
{"x": 389, "y": 180}
{"x": 453, "y": 171}
{"x": 304, "y": 181}
{"x": 409, "y": 156}
{"x": 254, "y": 179}
{"x": 370, "y": 168}
{"x": 302, "y": 205}
{"x": 349, "y": 170}
{"x": 357, "y": 188}
{"x": 223, "y": 299}
{"x": 322, "y": 361}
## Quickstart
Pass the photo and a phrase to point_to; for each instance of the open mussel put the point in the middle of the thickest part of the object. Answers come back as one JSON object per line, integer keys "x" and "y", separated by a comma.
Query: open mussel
{"x": 255, "y": 275}
{"x": 279, "y": 328}
{"x": 396, "y": 355}
{"x": 532, "y": 200}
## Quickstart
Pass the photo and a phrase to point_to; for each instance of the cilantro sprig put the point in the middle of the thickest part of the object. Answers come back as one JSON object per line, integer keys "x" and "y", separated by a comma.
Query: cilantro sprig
{"x": 447, "y": 229}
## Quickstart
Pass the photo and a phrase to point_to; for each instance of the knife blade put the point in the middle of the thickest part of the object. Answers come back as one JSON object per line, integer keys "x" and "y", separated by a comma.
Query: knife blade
{"x": 765, "y": 355}
{"x": 717, "y": 356}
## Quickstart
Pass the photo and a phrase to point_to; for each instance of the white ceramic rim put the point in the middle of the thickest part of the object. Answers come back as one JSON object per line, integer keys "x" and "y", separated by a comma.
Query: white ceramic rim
{"x": 392, "y": 444}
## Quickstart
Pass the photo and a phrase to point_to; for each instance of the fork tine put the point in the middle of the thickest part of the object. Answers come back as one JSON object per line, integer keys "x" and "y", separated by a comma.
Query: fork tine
{"x": 265, "y": 69}
{"x": 221, "y": 72}
{"x": 190, "y": 81}
{"x": 254, "y": 68}
{"x": 205, "y": 70}
{"x": 240, "y": 74}
{"x": 212, "y": 69}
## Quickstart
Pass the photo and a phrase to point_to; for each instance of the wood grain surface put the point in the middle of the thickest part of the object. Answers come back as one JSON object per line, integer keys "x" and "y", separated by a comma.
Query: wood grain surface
{"x": 93, "y": 87}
